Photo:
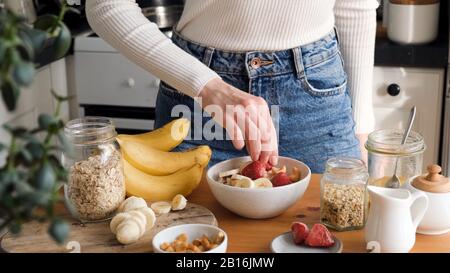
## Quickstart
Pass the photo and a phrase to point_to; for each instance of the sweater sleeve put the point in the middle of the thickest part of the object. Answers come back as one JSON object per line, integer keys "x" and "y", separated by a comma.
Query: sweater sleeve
{"x": 122, "y": 24}
{"x": 356, "y": 24}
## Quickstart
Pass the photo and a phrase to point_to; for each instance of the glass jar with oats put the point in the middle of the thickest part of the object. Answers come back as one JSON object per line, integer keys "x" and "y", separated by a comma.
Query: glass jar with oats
{"x": 343, "y": 192}
{"x": 96, "y": 184}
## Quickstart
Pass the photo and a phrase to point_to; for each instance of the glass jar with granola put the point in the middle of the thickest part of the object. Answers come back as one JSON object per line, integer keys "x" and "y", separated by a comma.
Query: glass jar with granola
{"x": 344, "y": 198}
{"x": 96, "y": 185}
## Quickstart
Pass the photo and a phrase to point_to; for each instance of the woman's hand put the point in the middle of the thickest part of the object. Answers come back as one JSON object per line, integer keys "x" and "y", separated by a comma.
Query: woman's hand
{"x": 245, "y": 117}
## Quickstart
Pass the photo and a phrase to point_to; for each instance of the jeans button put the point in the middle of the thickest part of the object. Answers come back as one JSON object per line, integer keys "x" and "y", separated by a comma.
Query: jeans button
{"x": 255, "y": 63}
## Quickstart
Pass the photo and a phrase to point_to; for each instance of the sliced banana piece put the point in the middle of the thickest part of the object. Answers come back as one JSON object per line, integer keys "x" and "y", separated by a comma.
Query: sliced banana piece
{"x": 263, "y": 183}
{"x": 150, "y": 215}
{"x": 228, "y": 173}
{"x": 179, "y": 202}
{"x": 140, "y": 219}
{"x": 132, "y": 203}
{"x": 245, "y": 183}
{"x": 238, "y": 177}
{"x": 128, "y": 232}
{"x": 119, "y": 218}
{"x": 161, "y": 207}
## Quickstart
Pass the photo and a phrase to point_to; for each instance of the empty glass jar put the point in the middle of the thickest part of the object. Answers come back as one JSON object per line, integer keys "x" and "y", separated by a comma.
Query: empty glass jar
{"x": 386, "y": 155}
{"x": 343, "y": 192}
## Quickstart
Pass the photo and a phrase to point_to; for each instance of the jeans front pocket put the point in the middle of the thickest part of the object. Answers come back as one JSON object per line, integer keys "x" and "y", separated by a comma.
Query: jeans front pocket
{"x": 326, "y": 78}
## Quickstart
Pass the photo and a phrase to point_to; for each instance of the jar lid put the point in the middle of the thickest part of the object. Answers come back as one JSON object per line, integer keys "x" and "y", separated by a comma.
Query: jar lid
{"x": 433, "y": 181}
{"x": 389, "y": 142}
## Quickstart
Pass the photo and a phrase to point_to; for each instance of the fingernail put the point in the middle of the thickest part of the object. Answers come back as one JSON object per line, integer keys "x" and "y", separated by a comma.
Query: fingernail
{"x": 274, "y": 160}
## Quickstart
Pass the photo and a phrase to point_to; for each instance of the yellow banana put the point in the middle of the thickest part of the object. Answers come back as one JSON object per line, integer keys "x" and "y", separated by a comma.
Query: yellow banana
{"x": 165, "y": 138}
{"x": 156, "y": 162}
{"x": 159, "y": 188}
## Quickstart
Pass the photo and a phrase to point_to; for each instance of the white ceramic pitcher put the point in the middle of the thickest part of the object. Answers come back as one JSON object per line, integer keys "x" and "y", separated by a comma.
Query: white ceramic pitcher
{"x": 393, "y": 218}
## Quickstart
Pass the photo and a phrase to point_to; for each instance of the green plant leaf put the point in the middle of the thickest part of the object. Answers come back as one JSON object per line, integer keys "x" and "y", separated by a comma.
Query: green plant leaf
{"x": 36, "y": 36}
{"x": 36, "y": 149}
{"x": 45, "y": 22}
{"x": 3, "y": 49}
{"x": 15, "y": 227}
{"x": 45, "y": 177}
{"x": 23, "y": 73}
{"x": 59, "y": 230}
{"x": 10, "y": 95}
{"x": 63, "y": 41}
{"x": 65, "y": 143}
{"x": 45, "y": 121}
{"x": 58, "y": 97}
{"x": 18, "y": 131}
{"x": 26, "y": 155}
{"x": 25, "y": 48}
{"x": 36, "y": 198}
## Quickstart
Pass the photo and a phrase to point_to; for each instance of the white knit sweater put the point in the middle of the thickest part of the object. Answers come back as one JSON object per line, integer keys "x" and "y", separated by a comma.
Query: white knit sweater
{"x": 244, "y": 25}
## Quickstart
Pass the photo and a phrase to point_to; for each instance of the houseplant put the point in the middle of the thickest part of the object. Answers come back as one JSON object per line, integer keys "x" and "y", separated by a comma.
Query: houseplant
{"x": 31, "y": 178}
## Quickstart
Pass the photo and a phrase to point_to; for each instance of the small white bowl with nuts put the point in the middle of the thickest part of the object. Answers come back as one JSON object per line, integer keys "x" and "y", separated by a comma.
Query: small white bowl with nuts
{"x": 190, "y": 238}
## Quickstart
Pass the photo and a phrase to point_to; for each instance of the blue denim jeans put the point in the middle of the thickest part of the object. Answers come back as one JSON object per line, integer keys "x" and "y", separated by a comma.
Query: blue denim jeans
{"x": 308, "y": 84}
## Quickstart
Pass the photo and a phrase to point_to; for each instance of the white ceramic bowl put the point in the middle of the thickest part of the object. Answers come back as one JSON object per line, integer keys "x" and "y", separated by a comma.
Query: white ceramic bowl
{"x": 258, "y": 203}
{"x": 193, "y": 231}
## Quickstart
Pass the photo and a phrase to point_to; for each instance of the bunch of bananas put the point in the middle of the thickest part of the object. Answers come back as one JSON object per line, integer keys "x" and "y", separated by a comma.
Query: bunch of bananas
{"x": 153, "y": 172}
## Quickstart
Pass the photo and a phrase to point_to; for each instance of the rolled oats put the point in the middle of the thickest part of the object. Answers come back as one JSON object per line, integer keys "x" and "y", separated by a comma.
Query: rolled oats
{"x": 343, "y": 206}
{"x": 96, "y": 185}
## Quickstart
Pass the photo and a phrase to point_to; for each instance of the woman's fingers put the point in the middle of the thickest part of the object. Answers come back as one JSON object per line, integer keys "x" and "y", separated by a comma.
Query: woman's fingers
{"x": 235, "y": 133}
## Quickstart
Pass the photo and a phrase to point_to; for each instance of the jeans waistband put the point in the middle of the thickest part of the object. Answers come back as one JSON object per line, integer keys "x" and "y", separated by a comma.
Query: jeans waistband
{"x": 261, "y": 63}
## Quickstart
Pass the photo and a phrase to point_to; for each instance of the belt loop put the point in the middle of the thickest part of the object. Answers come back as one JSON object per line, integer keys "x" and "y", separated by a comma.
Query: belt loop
{"x": 207, "y": 57}
{"x": 336, "y": 33}
{"x": 298, "y": 62}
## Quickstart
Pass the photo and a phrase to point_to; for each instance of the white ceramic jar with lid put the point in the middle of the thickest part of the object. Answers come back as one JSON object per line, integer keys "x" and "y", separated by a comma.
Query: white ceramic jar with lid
{"x": 437, "y": 187}
{"x": 413, "y": 21}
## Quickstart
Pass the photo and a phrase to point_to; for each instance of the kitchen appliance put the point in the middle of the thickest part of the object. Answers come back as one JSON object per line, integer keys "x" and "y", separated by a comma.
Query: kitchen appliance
{"x": 413, "y": 21}
{"x": 393, "y": 218}
{"x": 108, "y": 84}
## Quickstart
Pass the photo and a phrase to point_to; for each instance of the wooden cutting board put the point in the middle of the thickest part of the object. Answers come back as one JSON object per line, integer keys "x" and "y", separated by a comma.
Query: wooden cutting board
{"x": 96, "y": 237}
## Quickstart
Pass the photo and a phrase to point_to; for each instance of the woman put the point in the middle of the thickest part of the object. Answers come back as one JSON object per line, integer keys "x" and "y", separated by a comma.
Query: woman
{"x": 255, "y": 58}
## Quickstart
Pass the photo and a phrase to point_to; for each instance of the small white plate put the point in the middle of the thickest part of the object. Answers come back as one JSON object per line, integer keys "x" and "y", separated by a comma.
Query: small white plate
{"x": 285, "y": 244}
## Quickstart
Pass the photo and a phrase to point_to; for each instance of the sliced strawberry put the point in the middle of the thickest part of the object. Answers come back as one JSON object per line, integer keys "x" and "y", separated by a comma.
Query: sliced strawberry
{"x": 281, "y": 179}
{"x": 319, "y": 236}
{"x": 300, "y": 232}
{"x": 254, "y": 170}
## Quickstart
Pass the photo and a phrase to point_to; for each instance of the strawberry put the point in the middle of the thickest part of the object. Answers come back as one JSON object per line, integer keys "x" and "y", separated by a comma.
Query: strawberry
{"x": 268, "y": 166}
{"x": 319, "y": 236}
{"x": 281, "y": 179}
{"x": 254, "y": 170}
{"x": 300, "y": 232}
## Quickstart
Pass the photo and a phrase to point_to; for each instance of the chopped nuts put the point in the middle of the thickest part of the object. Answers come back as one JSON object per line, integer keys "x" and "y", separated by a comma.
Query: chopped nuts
{"x": 182, "y": 237}
{"x": 343, "y": 206}
{"x": 199, "y": 245}
{"x": 96, "y": 186}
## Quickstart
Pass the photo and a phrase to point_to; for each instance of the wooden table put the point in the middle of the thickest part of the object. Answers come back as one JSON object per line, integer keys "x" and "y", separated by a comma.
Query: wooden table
{"x": 247, "y": 235}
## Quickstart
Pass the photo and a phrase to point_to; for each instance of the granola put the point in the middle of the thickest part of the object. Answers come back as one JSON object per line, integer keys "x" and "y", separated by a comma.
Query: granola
{"x": 96, "y": 185}
{"x": 343, "y": 206}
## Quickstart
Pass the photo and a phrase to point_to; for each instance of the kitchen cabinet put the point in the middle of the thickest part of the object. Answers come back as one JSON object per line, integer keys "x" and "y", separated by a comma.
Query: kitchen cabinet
{"x": 397, "y": 89}
{"x": 37, "y": 99}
